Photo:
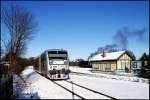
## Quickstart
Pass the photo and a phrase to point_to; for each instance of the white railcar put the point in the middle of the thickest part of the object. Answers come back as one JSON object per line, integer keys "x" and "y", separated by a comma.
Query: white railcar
{"x": 54, "y": 63}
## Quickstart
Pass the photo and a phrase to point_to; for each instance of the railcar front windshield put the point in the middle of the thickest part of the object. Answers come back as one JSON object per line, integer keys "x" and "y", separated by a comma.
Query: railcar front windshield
{"x": 57, "y": 52}
{"x": 57, "y": 58}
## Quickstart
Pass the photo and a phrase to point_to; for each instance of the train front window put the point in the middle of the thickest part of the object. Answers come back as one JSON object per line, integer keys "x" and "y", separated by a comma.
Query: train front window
{"x": 57, "y": 58}
{"x": 57, "y": 52}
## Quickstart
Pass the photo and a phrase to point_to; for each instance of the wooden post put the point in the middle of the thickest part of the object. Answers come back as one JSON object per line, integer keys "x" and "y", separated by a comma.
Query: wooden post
{"x": 40, "y": 63}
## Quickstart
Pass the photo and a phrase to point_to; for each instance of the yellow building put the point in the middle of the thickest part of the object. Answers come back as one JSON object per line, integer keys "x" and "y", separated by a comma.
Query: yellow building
{"x": 120, "y": 60}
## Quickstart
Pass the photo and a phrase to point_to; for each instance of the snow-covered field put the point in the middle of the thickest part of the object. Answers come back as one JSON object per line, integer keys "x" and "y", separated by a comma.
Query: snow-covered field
{"x": 116, "y": 88}
{"x": 36, "y": 86}
{"x": 108, "y": 76}
{"x": 121, "y": 87}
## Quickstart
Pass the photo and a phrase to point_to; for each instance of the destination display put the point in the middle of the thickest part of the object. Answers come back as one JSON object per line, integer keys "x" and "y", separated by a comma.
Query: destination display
{"x": 57, "y": 55}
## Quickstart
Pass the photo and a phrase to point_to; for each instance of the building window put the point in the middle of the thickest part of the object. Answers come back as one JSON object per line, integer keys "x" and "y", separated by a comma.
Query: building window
{"x": 95, "y": 66}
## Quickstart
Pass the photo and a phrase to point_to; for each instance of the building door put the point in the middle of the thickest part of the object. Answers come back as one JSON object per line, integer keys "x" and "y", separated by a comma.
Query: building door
{"x": 107, "y": 67}
{"x": 125, "y": 66}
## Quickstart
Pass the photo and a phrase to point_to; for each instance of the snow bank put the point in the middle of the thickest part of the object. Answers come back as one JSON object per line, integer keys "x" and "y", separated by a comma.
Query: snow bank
{"x": 38, "y": 87}
{"x": 81, "y": 70}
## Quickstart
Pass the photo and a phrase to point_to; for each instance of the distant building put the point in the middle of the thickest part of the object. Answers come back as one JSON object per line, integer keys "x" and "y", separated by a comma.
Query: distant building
{"x": 145, "y": 60}
{"x": 144, "y": 72}
{"x": 112, "y": 61}
{"x": 136, "y": 67}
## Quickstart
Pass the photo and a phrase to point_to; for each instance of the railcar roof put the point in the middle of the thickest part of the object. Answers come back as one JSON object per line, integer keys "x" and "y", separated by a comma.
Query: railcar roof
{"x": 52, "y": 50}
{"x": 56, "y": 50}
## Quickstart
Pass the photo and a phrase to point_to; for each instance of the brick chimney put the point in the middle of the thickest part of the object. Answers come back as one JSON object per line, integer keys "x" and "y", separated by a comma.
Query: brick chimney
{"x": 103, "y": 53}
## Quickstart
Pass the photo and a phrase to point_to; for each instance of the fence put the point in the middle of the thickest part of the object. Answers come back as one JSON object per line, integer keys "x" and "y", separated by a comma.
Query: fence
{"x": 6, "y": 82}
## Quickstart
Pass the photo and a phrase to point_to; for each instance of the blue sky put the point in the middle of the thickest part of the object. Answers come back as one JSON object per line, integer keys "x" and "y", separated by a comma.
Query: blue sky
{"x": 82, "y": 26}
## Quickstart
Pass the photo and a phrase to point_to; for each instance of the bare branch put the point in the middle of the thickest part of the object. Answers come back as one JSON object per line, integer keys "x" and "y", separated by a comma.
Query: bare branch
{"x": 21, "y": 26}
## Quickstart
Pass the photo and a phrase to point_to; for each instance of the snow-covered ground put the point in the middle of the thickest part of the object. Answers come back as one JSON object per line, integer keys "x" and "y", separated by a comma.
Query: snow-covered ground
{"x": 121, "y": 87}
{"x": 116, "y": 88}
{"x": 108, "y": 76}
{"x": 38, "y": 87}
{"x": 81, "y": 91}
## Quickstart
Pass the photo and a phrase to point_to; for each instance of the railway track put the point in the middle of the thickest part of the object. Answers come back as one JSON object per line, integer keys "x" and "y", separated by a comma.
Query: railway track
{"x": 84, "y": 92}
{"x": 73, "y": 93}
{"x": 80, "y": 91}
{"x": 92, "y": 90}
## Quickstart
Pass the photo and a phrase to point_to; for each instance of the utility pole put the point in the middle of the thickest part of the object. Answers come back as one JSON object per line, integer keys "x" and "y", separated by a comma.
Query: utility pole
{"x": 72, "y": 91}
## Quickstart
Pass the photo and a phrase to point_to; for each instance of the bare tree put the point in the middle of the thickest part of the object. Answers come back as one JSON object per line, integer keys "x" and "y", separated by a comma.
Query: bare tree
{"x": 21, "y": 26}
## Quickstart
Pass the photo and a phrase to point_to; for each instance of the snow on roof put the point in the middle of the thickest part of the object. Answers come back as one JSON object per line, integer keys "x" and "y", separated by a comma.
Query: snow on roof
{"x": 109, "y": 56}
{"x": 55, "y": 50}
